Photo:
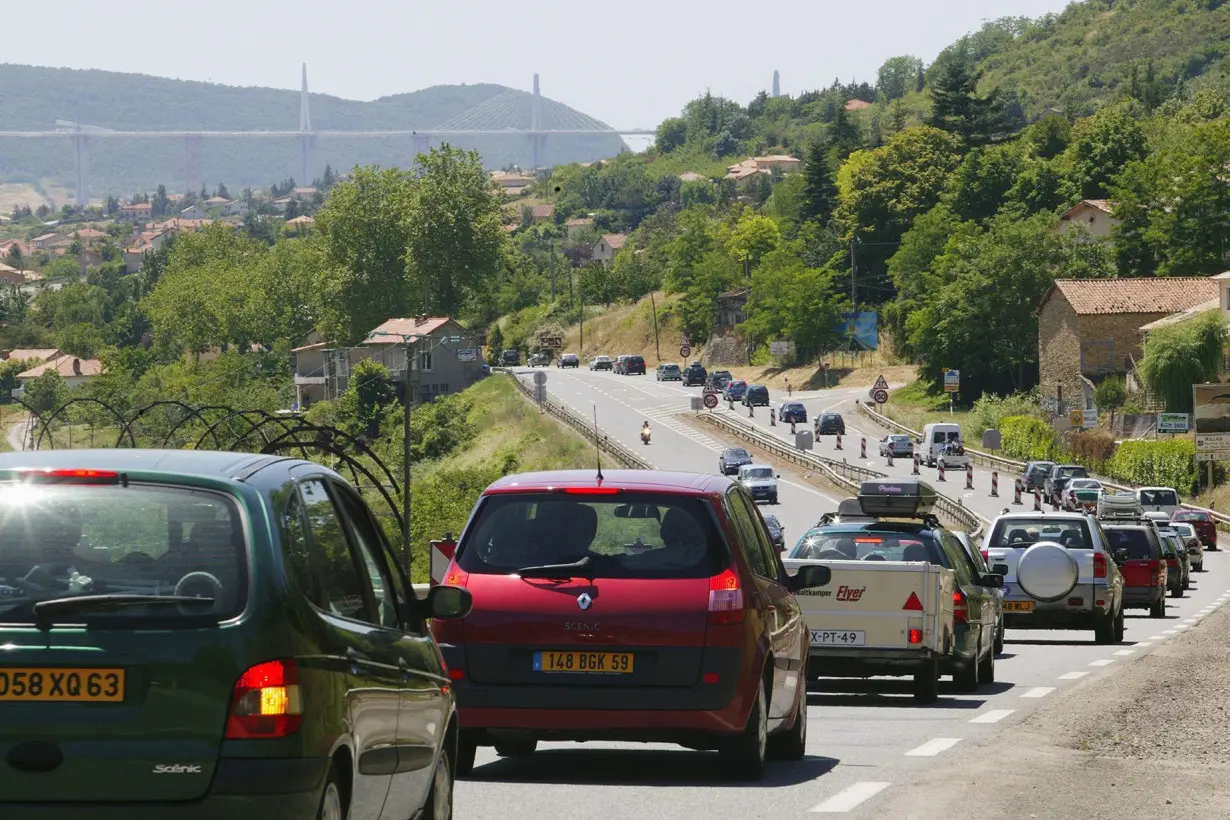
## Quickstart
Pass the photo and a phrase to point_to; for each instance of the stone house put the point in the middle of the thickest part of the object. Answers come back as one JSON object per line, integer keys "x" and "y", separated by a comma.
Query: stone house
{"x": 1091, "y": 328}
{"x": 136, "y": 211}
{"x": 73, "y": 370}
{"x": 607, "y": 246}
{"x": 730, "y": 307}
{"x": 1096, "y": 215}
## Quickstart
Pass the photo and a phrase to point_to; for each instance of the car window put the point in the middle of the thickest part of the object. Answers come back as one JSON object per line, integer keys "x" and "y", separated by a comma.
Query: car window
{"x": 346, "y": 594}
{"x": 1135, "y": 541}
{"x": 959, "y": 558}
{"x": 386, "y": 584}
{"x": 744, "y": 526}
{"x": 861, "y": 545}
{"x": 625, "y": 535}
{"x": 297, "y": 555}
{"x": 67, "y": 541}
{"x": 1015, "y": 533}
{"x": 758, "y": 472}
{"x": 760, "y": 539}
{"x": 1163, "y": 498}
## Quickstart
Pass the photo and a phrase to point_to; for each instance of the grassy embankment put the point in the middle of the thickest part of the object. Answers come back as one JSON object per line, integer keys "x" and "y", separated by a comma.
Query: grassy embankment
{"x": 629, "y": 329}
{"x": 913, "y": 406}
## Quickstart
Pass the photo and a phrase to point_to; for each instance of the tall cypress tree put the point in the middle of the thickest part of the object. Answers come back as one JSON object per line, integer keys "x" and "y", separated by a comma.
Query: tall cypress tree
{"x": 819, "y": 183}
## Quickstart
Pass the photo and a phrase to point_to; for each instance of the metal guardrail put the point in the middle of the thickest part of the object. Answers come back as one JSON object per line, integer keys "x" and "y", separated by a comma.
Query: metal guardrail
{"x": 843, "y": 474}
{"x": 990, "y": 460}
{"x": 612, "y": 448}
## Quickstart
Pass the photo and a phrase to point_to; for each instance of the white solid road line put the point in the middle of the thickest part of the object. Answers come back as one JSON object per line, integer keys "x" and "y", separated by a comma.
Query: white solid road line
{"x": 933, "y": 747}
{"x": 1102, "y": 662}
{"x": 993, "y": 716}
{"x": 852, "y": 797}
{"x": 1073, "y": 675}
{"x": 1038, "y": 692}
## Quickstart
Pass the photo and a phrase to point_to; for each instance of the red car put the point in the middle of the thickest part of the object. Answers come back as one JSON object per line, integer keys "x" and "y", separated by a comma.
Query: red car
{"x": 1202, "y": 522}
{"x": 636, "y": 606}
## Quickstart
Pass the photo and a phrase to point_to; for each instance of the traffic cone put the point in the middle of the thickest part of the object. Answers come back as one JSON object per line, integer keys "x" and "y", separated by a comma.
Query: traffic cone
{"x": 1016, "y": 492}
{"x": 862, "y": 447}
{"x": 1037, "y": 500}
{"x": 916, "y": 460}
{"x": 994, "y": 484}
{"x": 941, "y": 465}
{"x": 890, "y": 456}
{"x": 969, "y": 476}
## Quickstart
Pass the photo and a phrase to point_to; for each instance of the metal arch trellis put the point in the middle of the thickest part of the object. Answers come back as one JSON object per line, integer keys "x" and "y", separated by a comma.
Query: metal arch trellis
{"x": 45, "y": 423}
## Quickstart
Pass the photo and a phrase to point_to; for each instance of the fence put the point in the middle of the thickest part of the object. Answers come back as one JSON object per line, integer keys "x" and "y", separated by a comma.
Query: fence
{"x": 1010, "y": 464}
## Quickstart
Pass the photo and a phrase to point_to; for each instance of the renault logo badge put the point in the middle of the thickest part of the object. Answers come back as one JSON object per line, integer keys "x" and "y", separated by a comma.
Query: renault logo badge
{"x": 584, "y": 601}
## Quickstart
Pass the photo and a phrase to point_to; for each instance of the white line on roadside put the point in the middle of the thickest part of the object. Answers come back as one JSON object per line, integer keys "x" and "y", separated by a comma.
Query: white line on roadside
{"x": 1170, "y": 632}
{"x": 1143, "y": 644}
{"x": 933, "y": 747}
{"x": 1073, "y": 675}
{"x": 1123, "y": 653}
{"x": 1038, "y": 692}
{"x": 1182, "y": 627}
{"x": 1102, "y": 662}
{"x": 993, "y": 716}
{"x": 851, "y": 797}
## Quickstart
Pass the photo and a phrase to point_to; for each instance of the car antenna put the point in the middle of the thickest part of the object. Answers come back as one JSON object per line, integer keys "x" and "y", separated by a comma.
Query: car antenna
{"x": 597, "y": 446}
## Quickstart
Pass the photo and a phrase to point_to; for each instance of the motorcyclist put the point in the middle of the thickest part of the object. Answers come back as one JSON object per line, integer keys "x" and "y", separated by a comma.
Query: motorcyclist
{"x": 645, "y": 432}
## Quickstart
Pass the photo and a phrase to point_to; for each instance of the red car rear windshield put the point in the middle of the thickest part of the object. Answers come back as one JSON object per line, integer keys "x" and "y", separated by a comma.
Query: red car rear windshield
{"x": 1137, "y": 543}
{"x": 629, "y": 535}
{"x": 1191, "y": 516}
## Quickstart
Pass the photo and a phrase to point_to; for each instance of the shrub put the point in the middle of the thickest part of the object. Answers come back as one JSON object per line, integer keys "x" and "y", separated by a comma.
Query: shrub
{"x": 1029, "y": 438}
{"x": 989, "y": 412}
{"x": 1168, "y": 463}
{"x": 1092, "y": 448}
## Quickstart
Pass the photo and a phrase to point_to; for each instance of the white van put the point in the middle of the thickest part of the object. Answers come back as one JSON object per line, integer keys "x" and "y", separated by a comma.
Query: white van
{"x": 934, "y": 437}
{"x": 1158, "y": 499}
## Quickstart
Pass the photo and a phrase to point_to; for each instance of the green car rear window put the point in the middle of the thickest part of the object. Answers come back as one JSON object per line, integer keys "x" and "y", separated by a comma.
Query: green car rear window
{"x": 67, "y": 541}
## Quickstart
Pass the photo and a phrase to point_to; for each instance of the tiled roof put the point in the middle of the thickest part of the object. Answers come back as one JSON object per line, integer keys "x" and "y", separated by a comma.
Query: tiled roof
{"x": 406, "y": 327}
{"x": 1103, "y": 205}
{"x": 25, "y": 354}
{"x": 615, "y": 240}
{"x": 1182, "y": 316}
{"x": 67, "y": 366}
{"x": 857, "y": 105}
{"x": 543, "y": 211}
{"x": 1162, "y": 294}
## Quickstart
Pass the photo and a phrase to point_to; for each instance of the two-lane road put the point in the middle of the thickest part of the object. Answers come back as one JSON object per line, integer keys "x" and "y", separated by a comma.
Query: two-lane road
{"x": 866, "y": 740}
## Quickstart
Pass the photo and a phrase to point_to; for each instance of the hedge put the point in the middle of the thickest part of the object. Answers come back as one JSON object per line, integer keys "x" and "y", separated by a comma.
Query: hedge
{"x": 1162, "y": 463}
{"x": 1029, "y": 438}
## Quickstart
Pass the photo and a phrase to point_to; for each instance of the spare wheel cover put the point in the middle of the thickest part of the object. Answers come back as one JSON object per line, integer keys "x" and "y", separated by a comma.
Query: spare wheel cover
{"x": 1047, "y": 571}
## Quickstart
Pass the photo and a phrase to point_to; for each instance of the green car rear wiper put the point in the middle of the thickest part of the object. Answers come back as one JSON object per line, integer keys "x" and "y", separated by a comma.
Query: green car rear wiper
{"x": 102, "y": 603}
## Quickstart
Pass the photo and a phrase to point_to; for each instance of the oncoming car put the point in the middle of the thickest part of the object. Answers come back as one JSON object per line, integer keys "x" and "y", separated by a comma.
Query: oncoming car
{"x": 204, "y": 635}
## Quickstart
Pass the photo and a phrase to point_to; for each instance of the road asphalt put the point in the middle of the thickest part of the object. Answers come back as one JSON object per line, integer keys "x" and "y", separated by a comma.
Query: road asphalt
{"x": 867, "y": 741}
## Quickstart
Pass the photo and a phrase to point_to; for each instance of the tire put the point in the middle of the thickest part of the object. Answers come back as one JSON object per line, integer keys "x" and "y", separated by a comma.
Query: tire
{"x": 966, "y": 678}
{"x": 999, "y": 639}
{"x": 986, "y": 668}
{"x": 1104, "y": 631}
{"x": 1120, "y": 626}
{"x": 1158, "y": 610}
{"x": 1187, "y": 583}
{"x": 1177, "y": 592}
{"x": 743, "y": 756}
{"x": 440, "y": 798}
{"x": 332, "y": 800}
{"x": 516, "y": 748}
{"x": 792, "y": 744}
{"x": 466, "y": 750}
{"x": 927, "y": 683}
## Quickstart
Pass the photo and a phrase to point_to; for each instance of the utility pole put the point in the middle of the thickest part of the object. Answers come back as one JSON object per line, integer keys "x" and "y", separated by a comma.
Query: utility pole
{"x": 853, "y": 274}
{"x": 581, "y": 352}
{"x": 656, "y": 346}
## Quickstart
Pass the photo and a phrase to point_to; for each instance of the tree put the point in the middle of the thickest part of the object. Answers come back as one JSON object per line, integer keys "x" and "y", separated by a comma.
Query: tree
{"x": 956, "y": 106}
{"x": 222, "y": 192}
{"x": 897, "y": 76}
{"x": 454, "y": 231}
{"x": 1180, "y": 355}
{"x": 671, "y": 134}
{"x": 362, "y": 406}
{"x": 979, "y": 186}
{"x": 790, "y": 302}
{"x": 16, "y": 257}
{"x": 495, "y": 344}
{"x": 1101, "y": 146}
{"x": 46, "y": 393}
{"x": 160, "y": 203}
{"x": 1110, "y": 394}
{"x": 751, "y": 237}
{"x": 820, "y": 184}
{"x": 363, "y": 233}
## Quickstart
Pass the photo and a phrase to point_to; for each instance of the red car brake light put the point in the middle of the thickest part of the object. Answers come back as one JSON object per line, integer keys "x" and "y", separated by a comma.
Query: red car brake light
{"x": 592, "y": 490}
{"x": 71, "y": 476}
{"x": 1099, "y": 565}
{"x": 725, "y": 599}
{"x": 266, "y": 702}
{"x": 986, "y": 555}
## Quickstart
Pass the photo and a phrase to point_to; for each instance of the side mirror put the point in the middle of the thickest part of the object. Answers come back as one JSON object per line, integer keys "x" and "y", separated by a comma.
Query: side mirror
{"x": 449, "y": 603}
{"x": 777, "y": 475}
{"x": 809, "y": 576}
{"x": 992, "y": 580}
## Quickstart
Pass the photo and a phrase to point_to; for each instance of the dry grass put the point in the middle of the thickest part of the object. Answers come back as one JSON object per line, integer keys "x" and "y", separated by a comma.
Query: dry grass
{"x": 812, "y": 377}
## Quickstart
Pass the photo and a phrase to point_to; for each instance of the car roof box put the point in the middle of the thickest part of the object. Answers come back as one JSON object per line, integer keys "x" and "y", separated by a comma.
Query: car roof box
{"x": 897, "y": 498}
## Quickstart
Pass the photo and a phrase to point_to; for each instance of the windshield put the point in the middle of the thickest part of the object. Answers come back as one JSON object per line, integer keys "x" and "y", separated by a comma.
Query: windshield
{"x": 899, "y": 439}
{"x": 1135, "y": 541}
{"x": 1084, "y": 484}
{"x": 1186, "y": 530}
{"x": 860, "y": 545}
{"x": 1025, "y": 532}
{"x": 758, "y": 472}
{"x": 1071, "y": 472}
{"x": 1158, "y": 498}
{"x": 629, "y": 535}
{"x": 737, "y": 454}
{"x": 1191, "y": 516}
{"x": 68, "y": 541}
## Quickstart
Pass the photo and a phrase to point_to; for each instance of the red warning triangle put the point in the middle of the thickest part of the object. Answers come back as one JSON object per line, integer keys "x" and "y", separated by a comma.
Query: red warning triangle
{"x": 913, "y": 603}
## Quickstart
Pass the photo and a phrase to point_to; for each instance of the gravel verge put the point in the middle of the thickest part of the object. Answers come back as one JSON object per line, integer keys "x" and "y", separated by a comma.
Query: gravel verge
{"x": 1146, "y": 740}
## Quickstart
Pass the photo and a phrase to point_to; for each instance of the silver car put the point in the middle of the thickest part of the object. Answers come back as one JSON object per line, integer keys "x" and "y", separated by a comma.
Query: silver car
{"x": 901, "y": 445}
{"x": 1195, "y": 550}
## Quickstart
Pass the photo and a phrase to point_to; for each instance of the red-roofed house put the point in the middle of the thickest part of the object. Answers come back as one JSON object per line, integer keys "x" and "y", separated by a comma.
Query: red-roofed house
{"x": 136, "y": 211}
{"x": 74, "y": 370}
{"x": 1095, "y": 214}
{"x": 31, "y": 354}
{"x": 857, "y": 105}
{"x": 607, "y": 246}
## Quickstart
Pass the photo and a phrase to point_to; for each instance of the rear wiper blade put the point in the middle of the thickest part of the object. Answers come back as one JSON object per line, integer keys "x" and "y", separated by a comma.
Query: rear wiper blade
{"x": 102, "y": 603}
{"x": 577, "y": 569}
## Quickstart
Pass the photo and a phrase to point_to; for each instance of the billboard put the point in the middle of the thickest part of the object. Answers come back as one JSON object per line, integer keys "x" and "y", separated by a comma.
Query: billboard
{"x": 861, "y": 327}
{"x": 1211, "y": 408}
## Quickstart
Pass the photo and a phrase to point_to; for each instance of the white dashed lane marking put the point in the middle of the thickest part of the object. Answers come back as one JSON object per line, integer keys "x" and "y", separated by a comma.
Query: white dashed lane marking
{"x": 993, "y": 716}
{"x": 1123, "y": 653}
{"x": 1038, "y": 692}
{"x": 1073, "y": 675}
{"x": 933, "y": 747}
{"x": 1102, "y": 662}
{"x": 850, "y": 798}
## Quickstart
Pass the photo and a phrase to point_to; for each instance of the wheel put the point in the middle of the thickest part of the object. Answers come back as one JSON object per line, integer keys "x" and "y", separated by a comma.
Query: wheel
{"x": 1177, "y": 592}
{"x": 1187, "y": 583}
{"x": 516, "y": 748}
{"x": 440, "y": 798}
{"x": 744, "y": 755}
{"x": 999, "y": 639}
{"x": 966, "y": 678}
{"x": 986, "y": 668}
{"x": 1104, "y": 630}
{"x": 927, "y": 683}
{"x": 792, "y": 744}
{"x": 1158, "y": 610}
{"x": 466, "y": 750}
{"x": 1120, "y": 626}
{"x": 332, "y": 801}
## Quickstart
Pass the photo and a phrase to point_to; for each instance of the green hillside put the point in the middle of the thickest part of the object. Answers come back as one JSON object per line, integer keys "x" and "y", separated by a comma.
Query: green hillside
{"x": 1084, "y": 55}
{"x": 35, "y": 97}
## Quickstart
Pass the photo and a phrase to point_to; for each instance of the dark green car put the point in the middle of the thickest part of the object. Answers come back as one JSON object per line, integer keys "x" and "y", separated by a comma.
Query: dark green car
{"x": 195, "y": 634}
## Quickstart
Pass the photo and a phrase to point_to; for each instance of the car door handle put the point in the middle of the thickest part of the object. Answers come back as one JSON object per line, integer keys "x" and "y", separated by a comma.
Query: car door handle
{"x": 353, "y": 656}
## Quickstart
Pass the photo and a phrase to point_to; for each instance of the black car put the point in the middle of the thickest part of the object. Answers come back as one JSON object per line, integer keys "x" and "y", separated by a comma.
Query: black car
{"x": 510, "y": 358}
{"x": 756, "y": 395}
{"x": 776, "y": 531}
{"x": 634, "y": 366}
{"x": 792, "y": 411}
{"x": 1058, "y": 479}
{"x": 694, "y": 374}
{"x": 718, "y": 379}
{"x": 1033, "y": 477}
{"x": 540, "y": 360}
{"x": 830, "y": 424}
{"x": 569, "y": 360}
{"x": 732, "y": 459}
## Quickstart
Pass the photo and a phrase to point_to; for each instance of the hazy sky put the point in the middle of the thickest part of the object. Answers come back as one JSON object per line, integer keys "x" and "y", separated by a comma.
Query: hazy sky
{"x": 630, "y": 64}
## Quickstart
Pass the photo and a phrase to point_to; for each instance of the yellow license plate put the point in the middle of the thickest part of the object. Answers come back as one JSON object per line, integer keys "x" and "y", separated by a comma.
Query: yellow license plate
{"x": 585, "y": 663}
{"x": 1018, "y": 606}
{"x": 62, "y": 685}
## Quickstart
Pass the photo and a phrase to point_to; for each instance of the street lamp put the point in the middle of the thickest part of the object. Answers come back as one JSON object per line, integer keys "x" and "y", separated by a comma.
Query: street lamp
{"x": 410, "y": 342}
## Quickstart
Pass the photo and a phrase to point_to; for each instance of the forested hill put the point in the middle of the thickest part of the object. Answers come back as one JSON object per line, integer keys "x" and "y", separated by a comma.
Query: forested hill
{"x": 1076, "y": 59}
{"x": 35, "y": 97}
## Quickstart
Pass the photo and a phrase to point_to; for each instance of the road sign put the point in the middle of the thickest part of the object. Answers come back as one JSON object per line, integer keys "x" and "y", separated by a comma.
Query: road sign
{"x": 1076, "y": 418}
{"x": 879, "y": 396}
{"x": 711, "y": 400}
{"x": 1172, "y": 422}
{"x": 441, "y": 557}
{"x": 540, "y": 377}
{"x": 1090, "y": 418}
{"x": 779, "y": 348}
{"x": 880, "y": 384}
{"x": 992, "y": 440}
{"x": 696, "y": 402}
{"x": 952, "y": 381}
{"x": 467, "y": 354}
{"x": 684, "y": 351}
